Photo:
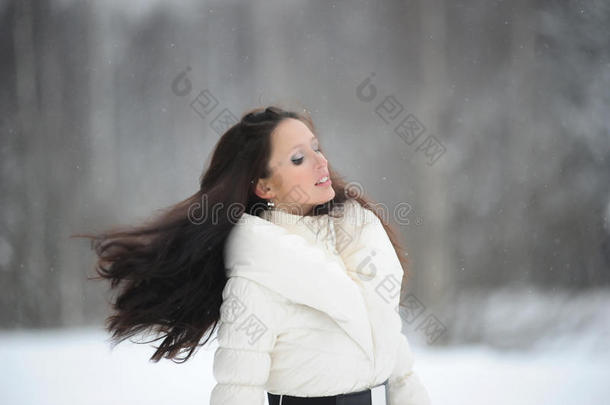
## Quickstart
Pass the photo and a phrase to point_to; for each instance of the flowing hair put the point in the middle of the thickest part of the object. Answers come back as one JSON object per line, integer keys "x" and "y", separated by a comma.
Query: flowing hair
{"x": 169, "y": 271}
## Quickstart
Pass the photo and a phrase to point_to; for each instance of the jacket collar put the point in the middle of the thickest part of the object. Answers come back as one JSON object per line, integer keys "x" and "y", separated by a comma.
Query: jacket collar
{"x": 315, "y": 229}
{"x": 292, "y": 255}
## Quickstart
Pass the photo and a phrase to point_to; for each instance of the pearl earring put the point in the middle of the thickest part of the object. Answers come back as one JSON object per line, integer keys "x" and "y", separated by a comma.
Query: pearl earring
{"x": 270, "y": 204}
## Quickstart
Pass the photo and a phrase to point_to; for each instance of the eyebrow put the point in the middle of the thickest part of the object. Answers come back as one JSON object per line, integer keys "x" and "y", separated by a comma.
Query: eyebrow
{"x": 313, "y": 138}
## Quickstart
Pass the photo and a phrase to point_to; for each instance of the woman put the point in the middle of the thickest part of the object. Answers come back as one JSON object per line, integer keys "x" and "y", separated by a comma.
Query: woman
{"x": 302, "y": 280}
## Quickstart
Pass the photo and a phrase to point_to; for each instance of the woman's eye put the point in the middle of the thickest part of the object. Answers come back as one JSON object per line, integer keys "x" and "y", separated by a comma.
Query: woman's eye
{"x": 298, "y": 161}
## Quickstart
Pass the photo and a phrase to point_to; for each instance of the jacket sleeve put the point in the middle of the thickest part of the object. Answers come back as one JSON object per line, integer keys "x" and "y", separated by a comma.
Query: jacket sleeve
{"x": 246, "y": 336}
{"x": 404, "y": 385}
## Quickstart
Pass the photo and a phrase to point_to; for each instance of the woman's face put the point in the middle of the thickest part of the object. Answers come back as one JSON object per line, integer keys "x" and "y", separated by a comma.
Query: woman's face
{"x": 296, "y": 166}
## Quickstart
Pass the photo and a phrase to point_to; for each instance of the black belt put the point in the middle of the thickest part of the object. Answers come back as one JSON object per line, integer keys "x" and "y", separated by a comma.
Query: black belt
{"x": 371, "y": 396}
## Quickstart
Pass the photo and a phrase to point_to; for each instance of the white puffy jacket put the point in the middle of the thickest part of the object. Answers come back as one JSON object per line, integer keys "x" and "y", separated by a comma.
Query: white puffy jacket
{"x": 311, "y": 309}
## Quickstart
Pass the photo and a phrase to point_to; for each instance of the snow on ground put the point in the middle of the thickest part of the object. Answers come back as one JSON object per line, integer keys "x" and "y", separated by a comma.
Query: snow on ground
{"x": 77, "y": 367}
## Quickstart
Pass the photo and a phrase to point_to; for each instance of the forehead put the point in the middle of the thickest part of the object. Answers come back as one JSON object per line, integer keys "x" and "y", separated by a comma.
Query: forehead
{"x": 288, "y": 134}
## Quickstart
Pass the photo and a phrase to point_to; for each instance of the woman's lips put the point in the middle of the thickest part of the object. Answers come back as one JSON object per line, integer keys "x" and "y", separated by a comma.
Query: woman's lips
{"x": 326, "y": 183}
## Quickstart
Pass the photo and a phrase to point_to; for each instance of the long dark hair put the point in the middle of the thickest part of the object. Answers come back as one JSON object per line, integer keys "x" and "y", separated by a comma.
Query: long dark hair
{"x": 170, "y": 270}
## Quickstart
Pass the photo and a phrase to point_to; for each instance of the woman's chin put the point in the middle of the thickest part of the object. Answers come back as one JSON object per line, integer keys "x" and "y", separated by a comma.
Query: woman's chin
{"x": 329, "y": 196}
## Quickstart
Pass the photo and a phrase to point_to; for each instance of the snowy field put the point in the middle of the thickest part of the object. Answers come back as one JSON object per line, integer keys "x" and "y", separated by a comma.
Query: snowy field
{"x": 77, "y": 367}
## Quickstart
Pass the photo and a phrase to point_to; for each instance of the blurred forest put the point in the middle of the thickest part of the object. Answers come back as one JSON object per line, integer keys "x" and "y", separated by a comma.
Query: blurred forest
{"x": 516, "y": 94}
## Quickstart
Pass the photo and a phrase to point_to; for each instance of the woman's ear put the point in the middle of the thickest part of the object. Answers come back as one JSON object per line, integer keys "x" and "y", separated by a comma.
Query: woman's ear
{"x": 262, "y": 190}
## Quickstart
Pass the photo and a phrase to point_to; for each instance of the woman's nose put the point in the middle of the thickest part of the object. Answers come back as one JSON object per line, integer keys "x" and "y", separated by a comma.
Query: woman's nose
{"x": 321, "y": 160}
